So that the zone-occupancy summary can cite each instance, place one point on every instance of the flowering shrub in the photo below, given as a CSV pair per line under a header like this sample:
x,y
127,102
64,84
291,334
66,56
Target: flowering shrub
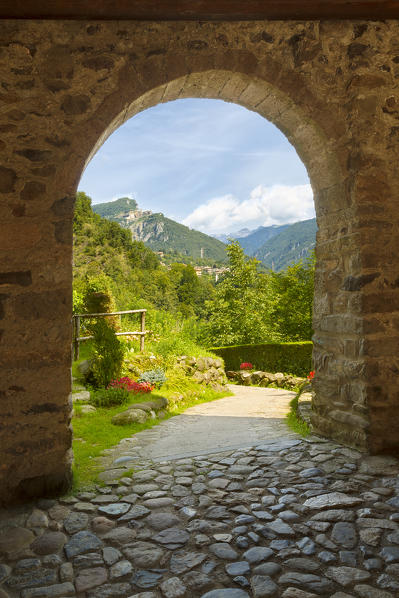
x,y
311,375
156,377
130,385
246,365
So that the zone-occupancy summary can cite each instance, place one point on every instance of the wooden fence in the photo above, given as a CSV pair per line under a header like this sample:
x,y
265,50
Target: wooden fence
x,y
76,328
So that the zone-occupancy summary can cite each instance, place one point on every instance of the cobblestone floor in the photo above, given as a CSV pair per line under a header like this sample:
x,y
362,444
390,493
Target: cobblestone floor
x,y
291,518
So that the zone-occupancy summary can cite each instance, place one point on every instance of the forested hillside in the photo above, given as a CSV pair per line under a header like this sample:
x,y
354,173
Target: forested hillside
x,y
294,243
113,210
106,255
161,233
257,238
246,305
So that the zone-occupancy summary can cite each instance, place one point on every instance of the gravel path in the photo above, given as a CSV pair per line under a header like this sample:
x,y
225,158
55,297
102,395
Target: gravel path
x,y
253,415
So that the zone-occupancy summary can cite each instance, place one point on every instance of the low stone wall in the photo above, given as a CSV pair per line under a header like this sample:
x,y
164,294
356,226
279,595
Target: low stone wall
x,y
304,409
264,378
204,370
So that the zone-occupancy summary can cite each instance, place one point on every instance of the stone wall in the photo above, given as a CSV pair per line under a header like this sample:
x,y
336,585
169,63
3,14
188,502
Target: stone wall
x,y
331,87
204,370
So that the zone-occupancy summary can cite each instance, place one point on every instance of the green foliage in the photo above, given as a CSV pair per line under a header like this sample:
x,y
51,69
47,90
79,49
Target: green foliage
x,y
108,354
78,302
97,295
292,358
109,397
293,421
292,244
240,310
292,308
155,377
105,253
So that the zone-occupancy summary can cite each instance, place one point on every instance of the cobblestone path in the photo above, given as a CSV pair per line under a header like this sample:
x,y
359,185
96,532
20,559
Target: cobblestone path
x,y
288,517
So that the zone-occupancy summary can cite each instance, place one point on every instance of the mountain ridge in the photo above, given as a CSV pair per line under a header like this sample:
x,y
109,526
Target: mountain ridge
x,y
294,243
160,233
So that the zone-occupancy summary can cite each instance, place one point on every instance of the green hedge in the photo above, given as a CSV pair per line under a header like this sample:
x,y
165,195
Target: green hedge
x,y
290,358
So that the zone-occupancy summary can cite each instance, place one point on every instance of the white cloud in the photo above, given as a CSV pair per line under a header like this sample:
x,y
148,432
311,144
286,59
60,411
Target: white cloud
x,y
279,204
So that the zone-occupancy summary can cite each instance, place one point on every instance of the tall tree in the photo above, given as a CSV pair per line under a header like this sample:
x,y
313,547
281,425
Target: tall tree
x,y
293,290
240,310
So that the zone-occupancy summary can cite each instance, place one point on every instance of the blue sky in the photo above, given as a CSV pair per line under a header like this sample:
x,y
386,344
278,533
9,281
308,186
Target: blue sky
x,y
212,165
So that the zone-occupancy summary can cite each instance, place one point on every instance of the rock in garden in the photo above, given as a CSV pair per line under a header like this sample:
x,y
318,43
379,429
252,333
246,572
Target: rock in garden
x,y
82,396
131,416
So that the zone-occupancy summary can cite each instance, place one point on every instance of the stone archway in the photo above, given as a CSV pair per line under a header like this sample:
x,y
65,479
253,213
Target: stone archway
x,y
330,87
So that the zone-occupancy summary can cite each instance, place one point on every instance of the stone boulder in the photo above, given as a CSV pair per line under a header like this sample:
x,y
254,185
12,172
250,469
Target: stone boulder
x,y
131,416
81,397
88,409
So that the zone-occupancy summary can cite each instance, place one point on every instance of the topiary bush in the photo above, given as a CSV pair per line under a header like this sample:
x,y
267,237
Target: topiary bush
x,y
107,361
293,358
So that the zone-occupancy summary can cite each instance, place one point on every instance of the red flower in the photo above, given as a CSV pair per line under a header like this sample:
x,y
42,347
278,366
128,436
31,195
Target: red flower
x,y
246,365
130,385
311,375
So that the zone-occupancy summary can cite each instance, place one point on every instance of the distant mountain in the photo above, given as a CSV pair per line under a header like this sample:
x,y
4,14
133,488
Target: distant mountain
x,y
251,240
257,238
293,243
240,233
161,233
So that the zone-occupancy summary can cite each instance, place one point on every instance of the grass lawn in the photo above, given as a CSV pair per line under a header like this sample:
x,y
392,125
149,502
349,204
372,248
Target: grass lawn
x,y
94,432
297,425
